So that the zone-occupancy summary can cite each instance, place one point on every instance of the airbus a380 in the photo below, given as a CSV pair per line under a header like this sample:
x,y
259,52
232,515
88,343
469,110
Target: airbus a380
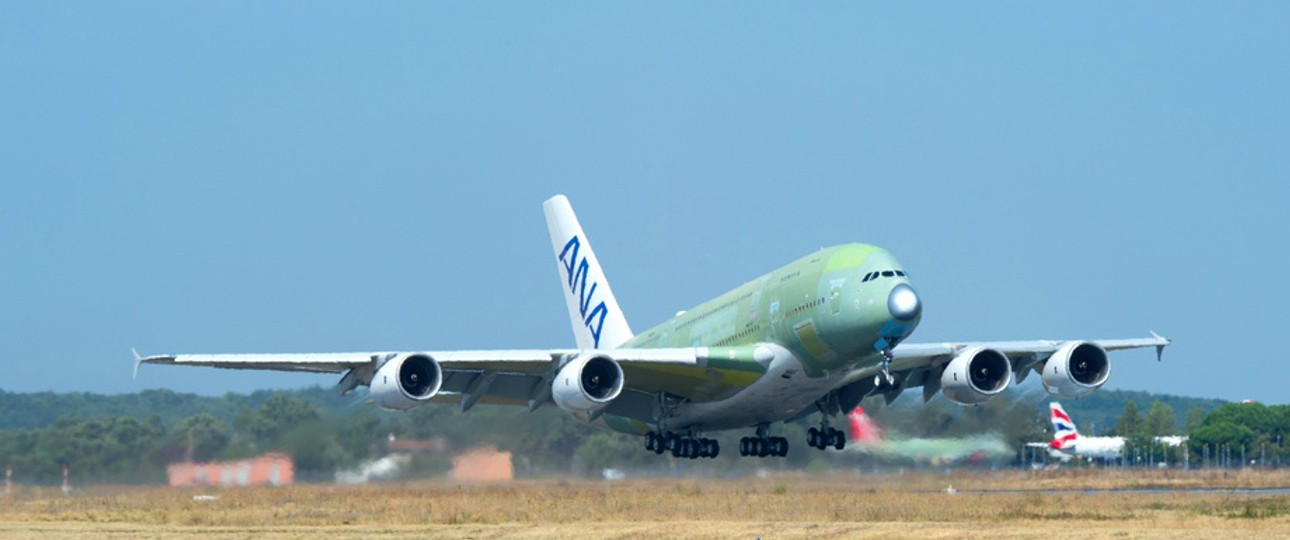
x,y
817,335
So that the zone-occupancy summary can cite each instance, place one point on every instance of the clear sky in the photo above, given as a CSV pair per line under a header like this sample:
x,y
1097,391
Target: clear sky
x,y
309,176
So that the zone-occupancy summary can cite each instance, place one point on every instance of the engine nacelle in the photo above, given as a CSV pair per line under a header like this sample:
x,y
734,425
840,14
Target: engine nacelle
x,y
1077,368
406,381
587,384
976,375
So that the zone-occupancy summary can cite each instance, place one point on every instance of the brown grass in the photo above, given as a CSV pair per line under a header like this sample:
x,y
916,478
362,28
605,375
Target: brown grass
x,y
793,506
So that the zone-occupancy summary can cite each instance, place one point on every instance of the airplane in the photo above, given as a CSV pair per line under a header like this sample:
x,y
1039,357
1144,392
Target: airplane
x,y
1068,442
868,438
817,335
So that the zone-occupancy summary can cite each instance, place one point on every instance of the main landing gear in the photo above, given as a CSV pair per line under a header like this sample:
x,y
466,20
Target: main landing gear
x,y
763,445
682,446
824,437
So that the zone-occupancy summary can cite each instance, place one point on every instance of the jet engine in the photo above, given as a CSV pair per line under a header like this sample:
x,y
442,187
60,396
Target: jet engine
x,y
976,375
587,383
406,381
1077,368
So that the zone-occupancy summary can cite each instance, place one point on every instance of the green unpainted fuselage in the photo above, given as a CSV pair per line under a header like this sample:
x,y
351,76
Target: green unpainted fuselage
x,y
820,308
817,306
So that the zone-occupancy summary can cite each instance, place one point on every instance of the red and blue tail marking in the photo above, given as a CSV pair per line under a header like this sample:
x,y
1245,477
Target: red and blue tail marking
x,y
1064,432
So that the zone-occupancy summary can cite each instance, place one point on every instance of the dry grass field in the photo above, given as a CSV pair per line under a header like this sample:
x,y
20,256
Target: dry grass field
x,y
987,505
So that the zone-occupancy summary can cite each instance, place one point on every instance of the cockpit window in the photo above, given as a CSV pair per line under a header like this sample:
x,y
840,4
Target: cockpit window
x,y
883,273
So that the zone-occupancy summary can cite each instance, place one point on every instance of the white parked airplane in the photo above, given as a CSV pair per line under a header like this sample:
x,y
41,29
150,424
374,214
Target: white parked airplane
x,y
819,334
1068,442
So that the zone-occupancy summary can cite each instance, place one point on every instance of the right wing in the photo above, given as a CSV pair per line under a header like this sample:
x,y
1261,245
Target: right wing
x,y
920,364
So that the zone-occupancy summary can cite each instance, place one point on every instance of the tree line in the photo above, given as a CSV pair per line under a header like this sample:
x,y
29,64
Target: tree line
x,y
132,437
1232,435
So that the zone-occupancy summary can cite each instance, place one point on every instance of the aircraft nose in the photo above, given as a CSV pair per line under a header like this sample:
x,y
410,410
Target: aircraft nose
x,y
903,303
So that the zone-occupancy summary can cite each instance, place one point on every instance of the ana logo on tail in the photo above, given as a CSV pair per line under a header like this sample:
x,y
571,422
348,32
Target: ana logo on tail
x,y
597,320
577,271
1064,432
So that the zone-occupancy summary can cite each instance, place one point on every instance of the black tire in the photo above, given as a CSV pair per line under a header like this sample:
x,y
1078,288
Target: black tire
x,y
714,448
839,440
813,438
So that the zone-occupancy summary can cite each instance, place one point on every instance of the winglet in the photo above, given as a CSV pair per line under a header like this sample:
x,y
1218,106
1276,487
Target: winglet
x,y
138,361
1160,349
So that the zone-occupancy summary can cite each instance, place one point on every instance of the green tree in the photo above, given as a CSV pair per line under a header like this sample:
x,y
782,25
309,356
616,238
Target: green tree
x,y
1219,434
1160,420
204,435
1195,417
1130,422
107,449
266,425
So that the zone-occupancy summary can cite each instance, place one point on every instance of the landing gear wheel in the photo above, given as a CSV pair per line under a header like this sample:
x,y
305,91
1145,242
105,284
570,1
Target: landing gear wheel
x,y
839,440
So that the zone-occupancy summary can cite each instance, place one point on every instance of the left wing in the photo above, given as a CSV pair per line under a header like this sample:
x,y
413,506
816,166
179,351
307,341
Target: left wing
x,y
921,364
518,377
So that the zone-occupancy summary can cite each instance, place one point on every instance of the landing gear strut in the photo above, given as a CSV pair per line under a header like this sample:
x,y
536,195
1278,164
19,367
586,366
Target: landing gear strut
x,y
887,357
763,445
825,436
682,446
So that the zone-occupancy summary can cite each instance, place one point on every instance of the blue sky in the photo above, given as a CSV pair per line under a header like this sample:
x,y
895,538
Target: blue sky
x,y
309,176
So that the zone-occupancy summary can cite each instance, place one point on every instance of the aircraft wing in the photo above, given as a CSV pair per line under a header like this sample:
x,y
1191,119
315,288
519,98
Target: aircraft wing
x,y
920,364
518,377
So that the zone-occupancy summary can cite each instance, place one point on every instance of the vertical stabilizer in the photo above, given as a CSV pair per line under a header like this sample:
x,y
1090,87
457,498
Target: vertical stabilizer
x,y
1064,432
598,322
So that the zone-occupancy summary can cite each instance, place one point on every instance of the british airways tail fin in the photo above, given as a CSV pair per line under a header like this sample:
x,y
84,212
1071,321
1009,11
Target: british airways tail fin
x,y
598,322
1064,432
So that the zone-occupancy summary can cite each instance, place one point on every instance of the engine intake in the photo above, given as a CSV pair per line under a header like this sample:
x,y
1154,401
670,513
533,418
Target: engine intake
x,y
406,381
976,375
1077,368
587,384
